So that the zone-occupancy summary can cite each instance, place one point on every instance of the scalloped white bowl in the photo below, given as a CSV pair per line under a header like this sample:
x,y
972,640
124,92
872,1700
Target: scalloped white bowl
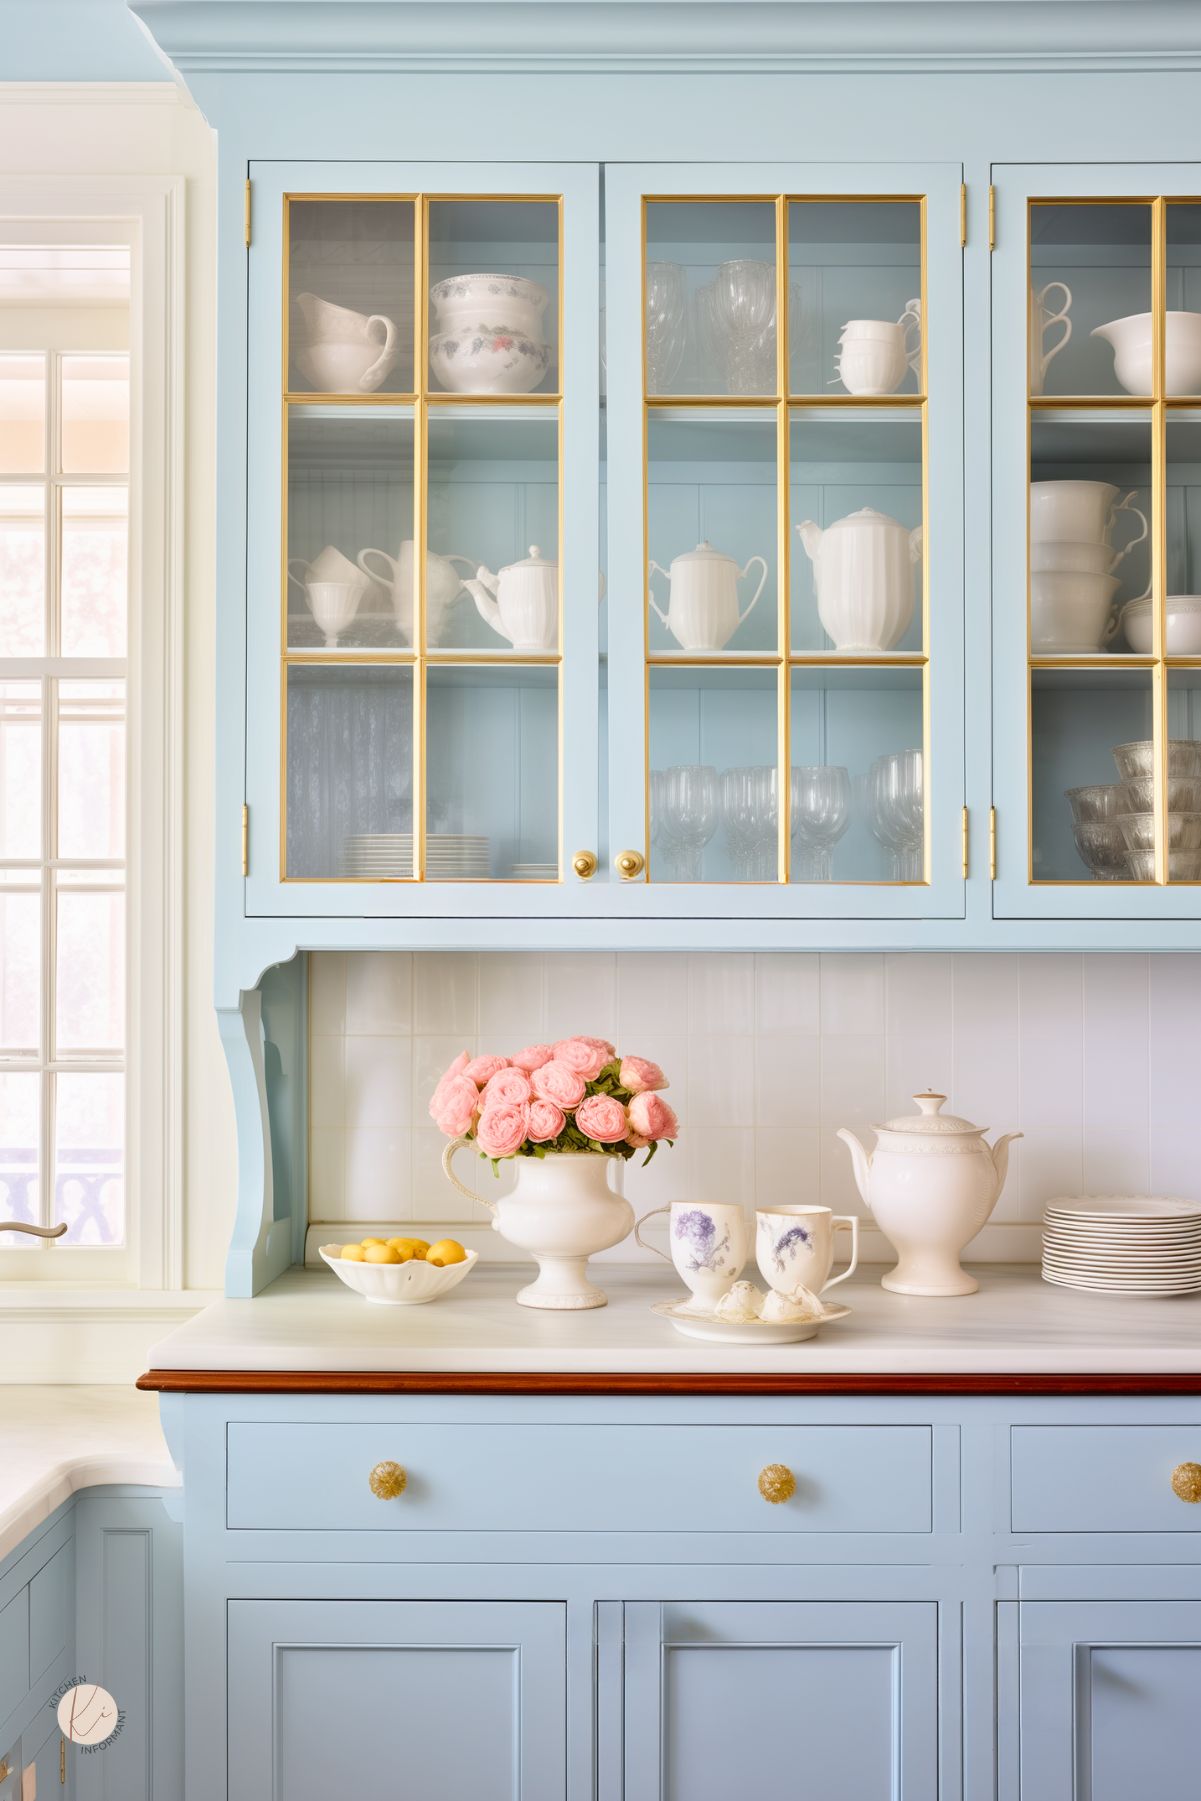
x,y
398,1284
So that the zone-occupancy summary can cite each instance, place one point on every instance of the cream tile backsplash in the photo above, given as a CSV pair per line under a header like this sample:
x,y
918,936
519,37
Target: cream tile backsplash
x,y
1094,1058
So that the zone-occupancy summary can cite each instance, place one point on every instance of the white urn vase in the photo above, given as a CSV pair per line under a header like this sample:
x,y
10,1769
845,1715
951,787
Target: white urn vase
x,y
561,1211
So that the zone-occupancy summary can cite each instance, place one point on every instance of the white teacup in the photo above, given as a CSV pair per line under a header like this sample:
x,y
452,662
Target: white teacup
x,y
796,1244
333,606
709,1244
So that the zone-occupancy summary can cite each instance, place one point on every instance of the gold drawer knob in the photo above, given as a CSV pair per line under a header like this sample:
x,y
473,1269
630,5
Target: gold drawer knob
x,y
1186,1481
629,864
776,1483
387,1480
4,1769
584,864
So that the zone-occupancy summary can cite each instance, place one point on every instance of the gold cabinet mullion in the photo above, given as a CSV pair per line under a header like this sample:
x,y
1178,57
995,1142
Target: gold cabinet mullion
x,y
1159,533
420,527
783,551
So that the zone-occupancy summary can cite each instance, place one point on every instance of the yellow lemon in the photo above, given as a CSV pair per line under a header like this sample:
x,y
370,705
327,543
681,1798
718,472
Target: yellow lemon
x,y
366,1241
447,1250
351,1253
409,1247
380,1253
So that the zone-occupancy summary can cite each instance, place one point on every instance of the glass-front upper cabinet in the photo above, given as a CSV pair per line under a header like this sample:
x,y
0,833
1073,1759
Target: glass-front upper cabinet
x,y
784,357
422,597
1097,542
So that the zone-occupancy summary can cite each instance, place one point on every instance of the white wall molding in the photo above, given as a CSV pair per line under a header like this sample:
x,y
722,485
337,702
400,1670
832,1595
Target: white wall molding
x,y
93,93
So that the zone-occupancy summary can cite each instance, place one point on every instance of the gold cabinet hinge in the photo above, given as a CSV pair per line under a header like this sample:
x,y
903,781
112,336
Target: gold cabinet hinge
x,y
62,1762
966,840
992,217
245,840
992,844
246,214
962,214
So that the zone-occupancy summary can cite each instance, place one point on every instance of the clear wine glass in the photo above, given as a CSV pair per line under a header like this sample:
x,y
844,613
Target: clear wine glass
x,y
690,806
821,813
896,811
744,310
666,312
766,815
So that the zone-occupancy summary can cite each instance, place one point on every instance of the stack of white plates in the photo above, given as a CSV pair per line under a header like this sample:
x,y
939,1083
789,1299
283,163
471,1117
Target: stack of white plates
x,y
535,872
1123,1244
381,856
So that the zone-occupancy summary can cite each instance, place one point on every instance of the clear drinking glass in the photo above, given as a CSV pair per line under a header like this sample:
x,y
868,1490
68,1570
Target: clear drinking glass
x,y
749,814
690,811
821,813
743,308
666,314
896,811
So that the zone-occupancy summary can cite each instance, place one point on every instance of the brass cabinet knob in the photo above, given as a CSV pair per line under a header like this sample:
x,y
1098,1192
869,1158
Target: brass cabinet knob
x,y
776,1483
1186,1481
4,1769
629,864
584,864
387,1480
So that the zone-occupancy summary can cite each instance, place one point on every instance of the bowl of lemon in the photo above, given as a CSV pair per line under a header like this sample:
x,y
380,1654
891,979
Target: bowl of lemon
x,y
400,1272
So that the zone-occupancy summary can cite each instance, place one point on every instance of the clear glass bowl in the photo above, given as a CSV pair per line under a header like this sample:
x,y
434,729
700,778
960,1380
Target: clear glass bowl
x,y
1137,759
1099,802
1184,831
1183,865
1103,849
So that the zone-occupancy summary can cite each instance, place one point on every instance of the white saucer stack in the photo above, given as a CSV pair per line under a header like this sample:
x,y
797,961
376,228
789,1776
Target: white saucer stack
x,y
1123,1244
384,856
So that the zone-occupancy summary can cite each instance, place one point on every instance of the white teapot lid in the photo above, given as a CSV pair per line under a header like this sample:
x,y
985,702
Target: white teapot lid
x,y
930,1121
865,516
704,553
535,560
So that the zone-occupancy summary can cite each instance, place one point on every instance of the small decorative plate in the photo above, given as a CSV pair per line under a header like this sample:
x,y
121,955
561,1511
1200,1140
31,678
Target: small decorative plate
x,y
693,1324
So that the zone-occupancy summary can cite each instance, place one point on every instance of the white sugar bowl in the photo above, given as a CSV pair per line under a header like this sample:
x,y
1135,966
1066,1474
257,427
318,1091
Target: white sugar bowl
x,y
931,1183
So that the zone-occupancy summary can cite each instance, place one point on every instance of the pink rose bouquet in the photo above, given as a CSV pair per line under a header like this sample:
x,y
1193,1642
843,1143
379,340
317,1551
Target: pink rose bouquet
x,y
575,1095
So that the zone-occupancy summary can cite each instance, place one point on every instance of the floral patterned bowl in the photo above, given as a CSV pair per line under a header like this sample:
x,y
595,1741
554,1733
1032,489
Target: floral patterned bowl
x,y
463,300
488,359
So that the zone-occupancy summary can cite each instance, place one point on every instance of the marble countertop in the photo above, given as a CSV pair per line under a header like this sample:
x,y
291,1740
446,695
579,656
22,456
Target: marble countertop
x,y
55,1441
1017,1324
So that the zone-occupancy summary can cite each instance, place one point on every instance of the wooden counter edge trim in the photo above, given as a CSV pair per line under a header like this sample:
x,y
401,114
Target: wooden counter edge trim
x,y
564,1382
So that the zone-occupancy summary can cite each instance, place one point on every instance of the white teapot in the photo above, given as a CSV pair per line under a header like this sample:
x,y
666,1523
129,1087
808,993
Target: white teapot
x,y
932,1183
863,570
522,602
702,607
443,585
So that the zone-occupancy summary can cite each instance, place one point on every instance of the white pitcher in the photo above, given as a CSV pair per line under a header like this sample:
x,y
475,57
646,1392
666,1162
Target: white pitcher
x,y
1042,318
702,607
863,570
397,577
522,602
339,351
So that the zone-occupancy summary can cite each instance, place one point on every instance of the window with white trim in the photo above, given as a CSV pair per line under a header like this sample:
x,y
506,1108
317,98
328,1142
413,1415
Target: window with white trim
x,y
64,628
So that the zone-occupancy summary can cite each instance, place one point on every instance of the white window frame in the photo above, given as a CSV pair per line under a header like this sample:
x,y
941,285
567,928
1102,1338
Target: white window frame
x,y
147,213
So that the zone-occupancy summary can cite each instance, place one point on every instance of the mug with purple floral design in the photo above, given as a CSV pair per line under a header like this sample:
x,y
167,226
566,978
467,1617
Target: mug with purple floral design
x,y
709,1242
796,1244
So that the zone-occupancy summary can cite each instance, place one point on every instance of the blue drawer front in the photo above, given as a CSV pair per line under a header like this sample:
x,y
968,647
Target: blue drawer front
x,y
579,1478
1102,1478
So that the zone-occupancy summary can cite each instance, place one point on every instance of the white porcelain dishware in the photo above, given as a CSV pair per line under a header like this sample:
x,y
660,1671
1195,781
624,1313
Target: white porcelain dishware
x,y
395,574
875,355
1123,1244
1058,556
795,1244
339,351
932,1183
1132,341
1080,512
1044,314
708,1242
522,602
1182,626
333,606
703,611
488,361
863,570
398,1284
511,301
711,1329
1071,612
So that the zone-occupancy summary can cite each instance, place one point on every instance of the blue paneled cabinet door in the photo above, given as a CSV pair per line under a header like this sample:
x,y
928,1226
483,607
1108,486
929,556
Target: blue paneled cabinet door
x,y
833,1698
446,1701
1109,1693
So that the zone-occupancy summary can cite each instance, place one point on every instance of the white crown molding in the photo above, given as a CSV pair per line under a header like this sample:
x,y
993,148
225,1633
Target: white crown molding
x,y
93,93
897,36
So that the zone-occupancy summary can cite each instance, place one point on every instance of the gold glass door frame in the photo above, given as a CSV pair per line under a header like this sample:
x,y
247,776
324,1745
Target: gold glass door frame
x,y
417,405
1158,408
785,404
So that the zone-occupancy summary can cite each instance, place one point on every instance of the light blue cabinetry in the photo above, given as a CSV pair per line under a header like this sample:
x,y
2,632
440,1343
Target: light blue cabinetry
x,y
96,1593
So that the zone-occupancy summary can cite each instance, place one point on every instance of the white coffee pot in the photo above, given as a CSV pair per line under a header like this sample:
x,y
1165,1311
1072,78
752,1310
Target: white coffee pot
x,y
863,569
702,606
522,602
443,584
931,1183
